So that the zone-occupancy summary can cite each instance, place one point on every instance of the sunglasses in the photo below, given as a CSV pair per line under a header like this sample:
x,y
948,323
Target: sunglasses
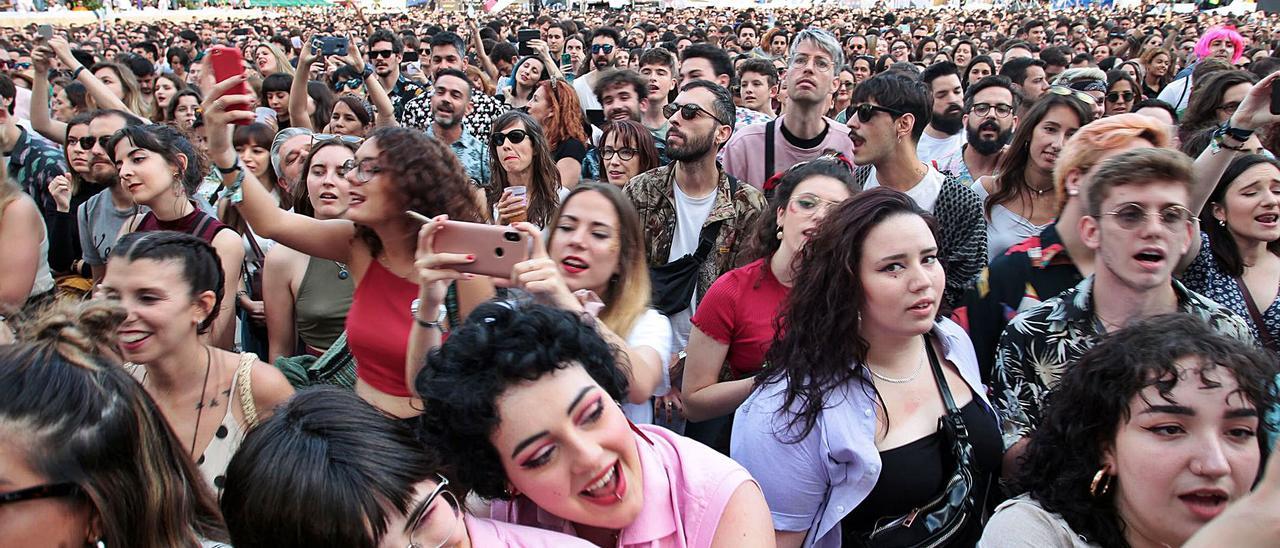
x,y
866,111
40,492
516,136
351,83
1131,216
86,143
1120,97
326,137
1068,92
689,111
382,53
602,48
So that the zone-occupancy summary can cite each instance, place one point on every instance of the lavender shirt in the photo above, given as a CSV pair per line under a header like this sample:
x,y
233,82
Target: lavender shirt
x,y
812,484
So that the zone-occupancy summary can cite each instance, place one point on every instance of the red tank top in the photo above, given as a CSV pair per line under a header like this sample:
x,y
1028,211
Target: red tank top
x,y
378,328
197,223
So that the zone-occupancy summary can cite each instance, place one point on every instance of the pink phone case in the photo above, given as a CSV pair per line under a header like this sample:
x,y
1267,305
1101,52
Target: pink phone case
x,y
497,248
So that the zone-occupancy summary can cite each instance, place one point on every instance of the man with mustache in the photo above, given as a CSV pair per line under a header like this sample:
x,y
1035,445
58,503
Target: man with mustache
x,y
759,151
604,49
99,219
450,103
943,136
990,107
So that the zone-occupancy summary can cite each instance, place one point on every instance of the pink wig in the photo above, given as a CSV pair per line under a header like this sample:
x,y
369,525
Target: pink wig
x,y
1220,33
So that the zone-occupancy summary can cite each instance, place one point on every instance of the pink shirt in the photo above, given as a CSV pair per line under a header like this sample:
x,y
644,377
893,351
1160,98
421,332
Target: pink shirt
x,y
487,532
687,486
743,155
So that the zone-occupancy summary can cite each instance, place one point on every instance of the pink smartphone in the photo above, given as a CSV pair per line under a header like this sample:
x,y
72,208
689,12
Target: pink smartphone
x,y
226,63
497,248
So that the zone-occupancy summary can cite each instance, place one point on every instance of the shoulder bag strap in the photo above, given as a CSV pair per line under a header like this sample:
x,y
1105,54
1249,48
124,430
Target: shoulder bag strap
x,y
1264,335
953,413
768,150
244,388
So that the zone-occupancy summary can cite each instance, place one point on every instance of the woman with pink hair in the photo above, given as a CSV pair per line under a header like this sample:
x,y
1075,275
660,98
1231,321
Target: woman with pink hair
x,y
1223,43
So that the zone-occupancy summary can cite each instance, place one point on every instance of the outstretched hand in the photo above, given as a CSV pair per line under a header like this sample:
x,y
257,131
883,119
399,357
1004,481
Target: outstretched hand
x,y
1254,111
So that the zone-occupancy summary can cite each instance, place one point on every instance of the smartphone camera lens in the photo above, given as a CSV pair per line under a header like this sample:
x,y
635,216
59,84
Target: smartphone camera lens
x,y
512,236
498,251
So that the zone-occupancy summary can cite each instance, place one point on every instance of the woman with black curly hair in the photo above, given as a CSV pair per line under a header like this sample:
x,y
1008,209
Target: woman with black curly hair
x,y
522,402
1146,438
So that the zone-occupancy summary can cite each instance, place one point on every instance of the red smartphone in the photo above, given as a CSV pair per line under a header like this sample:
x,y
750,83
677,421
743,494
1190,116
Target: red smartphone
x,y
227,63
497,248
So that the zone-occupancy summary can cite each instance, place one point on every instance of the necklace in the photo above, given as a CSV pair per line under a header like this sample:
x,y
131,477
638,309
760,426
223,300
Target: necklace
x,y
208,363
904,380
1039,192
342,271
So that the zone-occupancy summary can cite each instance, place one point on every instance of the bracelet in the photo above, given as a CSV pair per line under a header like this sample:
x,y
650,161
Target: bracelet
x,y
75,75
235,165
426,324
1236,133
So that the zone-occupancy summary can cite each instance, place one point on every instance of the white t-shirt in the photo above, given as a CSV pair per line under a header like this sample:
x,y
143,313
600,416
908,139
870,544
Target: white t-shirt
x,y
654,331
932,148
925,193
586,95
691,214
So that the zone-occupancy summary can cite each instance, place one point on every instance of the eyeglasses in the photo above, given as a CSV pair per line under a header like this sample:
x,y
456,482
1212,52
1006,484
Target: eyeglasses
x,y
602,48
437,532
867,111
624,154
86,143
689,111
365,169
1120,97
53,490
820,64
1229,108
326,137
982,110
848,86
383,53
1131,216
807,205
1068,92
516,136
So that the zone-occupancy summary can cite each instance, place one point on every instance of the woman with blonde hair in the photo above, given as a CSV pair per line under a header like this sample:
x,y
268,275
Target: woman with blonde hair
x,y
24,244
268,60
556,108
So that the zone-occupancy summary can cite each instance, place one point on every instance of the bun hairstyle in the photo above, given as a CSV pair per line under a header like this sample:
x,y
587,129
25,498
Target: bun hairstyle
x,y
77,417
199,260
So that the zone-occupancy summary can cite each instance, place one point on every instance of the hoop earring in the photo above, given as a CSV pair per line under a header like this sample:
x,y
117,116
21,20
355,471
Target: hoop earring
x,y
1100,478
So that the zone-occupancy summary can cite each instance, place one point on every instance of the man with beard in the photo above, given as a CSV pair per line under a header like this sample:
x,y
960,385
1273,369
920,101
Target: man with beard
x,y
450,103
447,52
759,151
99,219
888,114
289,152
943,136
691,200
604,48
990,107
407,97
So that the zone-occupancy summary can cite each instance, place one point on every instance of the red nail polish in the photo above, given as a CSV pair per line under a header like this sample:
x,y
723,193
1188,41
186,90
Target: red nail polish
x,y
471,257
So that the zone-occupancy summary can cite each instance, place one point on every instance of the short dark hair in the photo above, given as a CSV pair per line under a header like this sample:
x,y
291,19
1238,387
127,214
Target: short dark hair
x,y
719,59
201,268
621,77
725,109
504,51
608,32
184,58
149,47
899,92
1054,56
658,56
384,35
500,346
938,70
1016,69
137,64
993,81
456,74
447,38
1156,103
761,67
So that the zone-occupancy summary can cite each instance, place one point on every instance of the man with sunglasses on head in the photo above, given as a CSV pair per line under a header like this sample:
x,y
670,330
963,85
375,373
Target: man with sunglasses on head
x,y
692,207
888,114
1138,223
603,50
759,151
990,107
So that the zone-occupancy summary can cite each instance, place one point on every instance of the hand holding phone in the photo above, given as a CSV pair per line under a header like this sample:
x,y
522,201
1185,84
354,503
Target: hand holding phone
x,y
476,248
44,32
228,63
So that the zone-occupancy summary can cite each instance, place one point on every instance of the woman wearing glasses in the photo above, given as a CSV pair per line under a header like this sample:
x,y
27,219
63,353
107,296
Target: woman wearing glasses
x,y
86,459
734,324
626,149
1019,200
1214,101
375,238
366,479
535,427
526,185
900,50
555,107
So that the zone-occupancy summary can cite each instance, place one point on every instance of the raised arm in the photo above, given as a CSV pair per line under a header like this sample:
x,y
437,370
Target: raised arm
x,y
102,95
330,239
486,64
434,276
41,120
298,89
386,116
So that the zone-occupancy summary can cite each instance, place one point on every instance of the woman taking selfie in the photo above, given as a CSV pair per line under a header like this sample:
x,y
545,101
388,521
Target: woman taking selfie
x,y
159,168
842,452
1162,419
86,459
171,284
526,183
521,401
1019,200
734,324
375,238
626,150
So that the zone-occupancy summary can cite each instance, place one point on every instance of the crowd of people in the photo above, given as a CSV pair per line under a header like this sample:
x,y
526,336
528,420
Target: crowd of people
x,y
733,278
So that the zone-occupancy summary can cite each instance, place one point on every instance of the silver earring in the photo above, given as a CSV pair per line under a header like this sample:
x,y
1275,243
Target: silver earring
x,y
779,233
1222,222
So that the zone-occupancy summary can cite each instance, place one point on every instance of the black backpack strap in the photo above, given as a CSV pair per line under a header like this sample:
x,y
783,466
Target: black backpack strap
x,y
768,151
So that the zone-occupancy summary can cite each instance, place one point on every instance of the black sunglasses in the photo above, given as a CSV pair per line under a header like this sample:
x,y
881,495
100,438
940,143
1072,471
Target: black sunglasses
x,y
866,111
516,136
383,53
86,143
689,111
1119,96
40,492
602,48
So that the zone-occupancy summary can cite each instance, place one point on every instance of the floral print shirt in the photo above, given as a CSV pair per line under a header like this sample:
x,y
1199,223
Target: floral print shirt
x,y
1040,343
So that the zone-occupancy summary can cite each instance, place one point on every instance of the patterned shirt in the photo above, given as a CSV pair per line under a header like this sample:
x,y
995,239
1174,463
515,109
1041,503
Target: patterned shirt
x,y
744,116
473,154
1205,276
33,163
410,100
1040,343
653,194
484,110
953,165
1028,273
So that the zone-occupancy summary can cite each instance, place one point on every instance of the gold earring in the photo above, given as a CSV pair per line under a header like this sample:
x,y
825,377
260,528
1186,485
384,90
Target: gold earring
x,y
1100,478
